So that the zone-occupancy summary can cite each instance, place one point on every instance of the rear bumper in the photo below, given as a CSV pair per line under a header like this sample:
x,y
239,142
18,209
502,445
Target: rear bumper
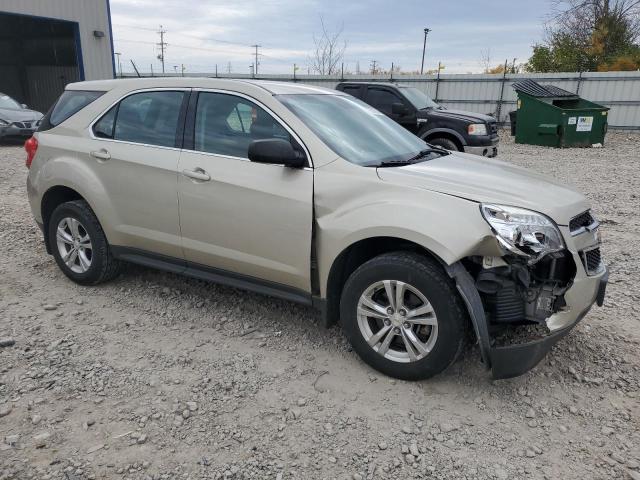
x,y
513,360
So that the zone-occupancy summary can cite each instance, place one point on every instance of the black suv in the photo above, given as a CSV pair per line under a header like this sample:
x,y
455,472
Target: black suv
x,y
452,129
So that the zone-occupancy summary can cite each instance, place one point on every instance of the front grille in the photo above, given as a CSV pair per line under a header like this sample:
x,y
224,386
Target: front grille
x,y
493,127
581,221
23,124
592,261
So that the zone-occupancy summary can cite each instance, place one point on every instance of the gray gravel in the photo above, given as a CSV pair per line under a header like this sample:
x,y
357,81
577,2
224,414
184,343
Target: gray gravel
x,y
155,376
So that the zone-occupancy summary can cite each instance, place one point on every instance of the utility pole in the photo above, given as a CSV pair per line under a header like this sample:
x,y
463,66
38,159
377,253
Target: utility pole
x,y
256,63
374,67
424,49
162,46
183,69
229,67
117,54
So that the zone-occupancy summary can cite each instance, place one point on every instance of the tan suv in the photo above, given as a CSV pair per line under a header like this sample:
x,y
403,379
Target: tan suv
x,y
311,195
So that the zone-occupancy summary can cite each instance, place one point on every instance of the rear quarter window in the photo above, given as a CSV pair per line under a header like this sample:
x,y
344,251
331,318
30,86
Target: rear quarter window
x,y
69,103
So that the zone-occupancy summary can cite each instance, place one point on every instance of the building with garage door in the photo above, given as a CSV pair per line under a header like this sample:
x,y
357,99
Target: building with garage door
x,y
46,44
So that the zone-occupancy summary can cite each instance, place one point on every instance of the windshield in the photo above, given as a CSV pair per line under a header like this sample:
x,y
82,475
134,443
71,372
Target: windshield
x,y
357,132
418,98
7,102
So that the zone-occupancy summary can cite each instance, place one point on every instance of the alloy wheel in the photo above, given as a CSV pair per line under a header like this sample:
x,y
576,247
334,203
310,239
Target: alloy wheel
x,y
397,321
74,245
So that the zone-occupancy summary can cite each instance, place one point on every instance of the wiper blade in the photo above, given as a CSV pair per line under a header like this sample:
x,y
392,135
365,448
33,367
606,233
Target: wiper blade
x,y
394,163
427,151
415,159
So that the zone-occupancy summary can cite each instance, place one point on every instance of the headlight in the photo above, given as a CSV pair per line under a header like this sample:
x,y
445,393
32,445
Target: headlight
x,y
3,122
477,129
523,232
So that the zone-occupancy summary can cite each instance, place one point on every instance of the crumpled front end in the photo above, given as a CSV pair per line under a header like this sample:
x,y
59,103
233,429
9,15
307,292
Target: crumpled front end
x,y
529,305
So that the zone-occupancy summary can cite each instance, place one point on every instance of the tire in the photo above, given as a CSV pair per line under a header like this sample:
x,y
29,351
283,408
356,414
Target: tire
x,y
101,266
444,143
420,275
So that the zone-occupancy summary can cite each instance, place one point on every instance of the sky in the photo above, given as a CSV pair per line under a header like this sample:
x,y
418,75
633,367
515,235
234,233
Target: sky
x,y
204,33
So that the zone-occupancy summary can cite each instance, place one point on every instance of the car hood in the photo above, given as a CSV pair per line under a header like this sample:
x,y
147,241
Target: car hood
x,y
462,115
25,114
481,179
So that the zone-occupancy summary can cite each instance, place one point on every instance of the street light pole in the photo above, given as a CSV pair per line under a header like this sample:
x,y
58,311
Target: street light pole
x,y
424,48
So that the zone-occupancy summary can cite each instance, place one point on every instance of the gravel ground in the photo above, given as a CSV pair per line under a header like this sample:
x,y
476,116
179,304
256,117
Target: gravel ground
x,y
155,376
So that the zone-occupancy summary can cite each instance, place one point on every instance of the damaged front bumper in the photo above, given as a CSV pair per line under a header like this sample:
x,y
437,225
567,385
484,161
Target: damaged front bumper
x,y
513,360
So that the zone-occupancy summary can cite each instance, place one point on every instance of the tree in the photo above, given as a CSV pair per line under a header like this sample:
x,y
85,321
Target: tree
x,y
329,51
485,60
588,35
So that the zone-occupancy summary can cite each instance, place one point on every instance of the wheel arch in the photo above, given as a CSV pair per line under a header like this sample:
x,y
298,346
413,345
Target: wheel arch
x,y
53,197
354,255
448,133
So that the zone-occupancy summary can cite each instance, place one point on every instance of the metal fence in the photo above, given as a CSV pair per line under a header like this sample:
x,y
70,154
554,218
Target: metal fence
x,y
493,94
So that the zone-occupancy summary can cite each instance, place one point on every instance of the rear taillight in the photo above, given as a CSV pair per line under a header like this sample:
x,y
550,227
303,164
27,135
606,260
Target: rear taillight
x,y
31,147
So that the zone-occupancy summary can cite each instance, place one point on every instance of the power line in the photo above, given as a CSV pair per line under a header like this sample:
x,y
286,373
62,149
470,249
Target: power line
x,y
206,39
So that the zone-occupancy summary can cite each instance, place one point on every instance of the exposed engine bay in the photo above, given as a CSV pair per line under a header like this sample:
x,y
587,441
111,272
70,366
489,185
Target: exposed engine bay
x,y
514,291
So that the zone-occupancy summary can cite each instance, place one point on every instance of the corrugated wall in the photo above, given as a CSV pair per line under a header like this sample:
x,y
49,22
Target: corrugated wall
x,y
482,93
90,15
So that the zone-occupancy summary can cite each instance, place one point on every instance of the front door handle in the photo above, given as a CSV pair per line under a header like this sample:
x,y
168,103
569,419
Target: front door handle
x,y
197,174
101,154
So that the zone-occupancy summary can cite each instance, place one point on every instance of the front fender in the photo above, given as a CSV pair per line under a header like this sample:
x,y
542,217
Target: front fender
x,y
354,205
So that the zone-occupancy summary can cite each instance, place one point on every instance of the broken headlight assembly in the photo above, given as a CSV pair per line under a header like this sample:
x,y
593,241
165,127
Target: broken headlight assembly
x,y
523,232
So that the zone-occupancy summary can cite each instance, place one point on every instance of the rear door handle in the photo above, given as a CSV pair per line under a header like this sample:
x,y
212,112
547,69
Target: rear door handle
x,y
101,154
197,174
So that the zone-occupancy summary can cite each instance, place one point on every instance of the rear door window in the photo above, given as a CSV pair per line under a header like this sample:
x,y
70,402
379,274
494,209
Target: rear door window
x,y
382,99
354,90
69,103
148,117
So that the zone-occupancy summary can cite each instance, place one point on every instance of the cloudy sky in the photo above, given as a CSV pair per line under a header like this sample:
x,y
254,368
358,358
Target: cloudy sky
x,y
204,33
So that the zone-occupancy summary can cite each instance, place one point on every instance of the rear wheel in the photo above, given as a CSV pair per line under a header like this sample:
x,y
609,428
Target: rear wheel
x,y
444,143
79,245
403,315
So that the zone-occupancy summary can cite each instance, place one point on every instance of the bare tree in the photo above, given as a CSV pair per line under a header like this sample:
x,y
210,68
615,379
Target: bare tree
x,y
485,60
329,51
610,23
579,18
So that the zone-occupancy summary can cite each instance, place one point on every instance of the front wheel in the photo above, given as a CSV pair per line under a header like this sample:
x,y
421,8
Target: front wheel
x,y
444,143
403,315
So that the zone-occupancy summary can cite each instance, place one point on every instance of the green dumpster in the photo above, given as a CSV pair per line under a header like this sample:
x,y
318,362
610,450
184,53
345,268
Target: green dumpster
x,y
554,117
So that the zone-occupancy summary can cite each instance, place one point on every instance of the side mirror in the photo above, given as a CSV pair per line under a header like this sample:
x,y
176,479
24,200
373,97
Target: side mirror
x,y
24,105
399,108
276,151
